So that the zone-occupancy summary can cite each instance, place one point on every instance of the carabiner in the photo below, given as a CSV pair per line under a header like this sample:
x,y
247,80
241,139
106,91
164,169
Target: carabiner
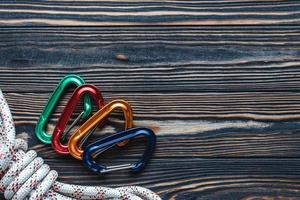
x,y
52,102
98,117
59,132
108,142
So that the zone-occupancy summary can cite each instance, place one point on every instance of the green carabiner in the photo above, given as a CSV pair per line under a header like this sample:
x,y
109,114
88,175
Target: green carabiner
x,y
52,102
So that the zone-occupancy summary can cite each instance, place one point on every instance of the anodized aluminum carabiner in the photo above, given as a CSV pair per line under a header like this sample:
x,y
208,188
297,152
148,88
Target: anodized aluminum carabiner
x,y
58,133
108,142
98,117
40,132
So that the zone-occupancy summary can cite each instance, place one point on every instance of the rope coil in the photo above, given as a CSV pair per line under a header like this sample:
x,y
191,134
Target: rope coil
x,y
23,175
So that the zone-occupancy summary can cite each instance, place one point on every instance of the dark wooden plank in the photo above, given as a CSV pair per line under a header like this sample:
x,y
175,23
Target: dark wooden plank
x,y
176,173
197,178
261,106
159,59
130,12
197,124
221,139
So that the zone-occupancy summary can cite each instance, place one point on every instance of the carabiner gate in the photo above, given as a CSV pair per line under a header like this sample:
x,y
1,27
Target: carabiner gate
x,y
59,132
40,132
98,117
106,143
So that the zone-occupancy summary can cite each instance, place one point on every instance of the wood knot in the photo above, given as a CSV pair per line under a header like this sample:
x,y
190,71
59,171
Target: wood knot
x,y
121,57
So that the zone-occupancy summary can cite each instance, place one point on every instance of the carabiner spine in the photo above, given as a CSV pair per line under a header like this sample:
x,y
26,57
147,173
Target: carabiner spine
x,y
40,132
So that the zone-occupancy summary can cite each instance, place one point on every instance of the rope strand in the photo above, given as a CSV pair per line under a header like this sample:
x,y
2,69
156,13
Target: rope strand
x,y
23,175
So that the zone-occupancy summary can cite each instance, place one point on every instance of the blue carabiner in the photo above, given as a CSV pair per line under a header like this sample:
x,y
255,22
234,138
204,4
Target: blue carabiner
x,y
102,145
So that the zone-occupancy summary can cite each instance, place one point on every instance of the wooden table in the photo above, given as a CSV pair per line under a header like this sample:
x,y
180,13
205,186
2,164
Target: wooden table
x,y
216,80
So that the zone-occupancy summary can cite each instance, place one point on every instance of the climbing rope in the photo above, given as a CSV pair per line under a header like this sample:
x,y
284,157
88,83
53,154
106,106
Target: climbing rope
x,y
24,175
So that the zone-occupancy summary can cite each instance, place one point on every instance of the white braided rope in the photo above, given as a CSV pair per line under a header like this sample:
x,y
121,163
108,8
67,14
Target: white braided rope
x,y
23,175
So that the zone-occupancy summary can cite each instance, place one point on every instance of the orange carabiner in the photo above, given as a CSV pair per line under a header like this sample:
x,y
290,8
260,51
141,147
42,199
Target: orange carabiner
x,y
99,116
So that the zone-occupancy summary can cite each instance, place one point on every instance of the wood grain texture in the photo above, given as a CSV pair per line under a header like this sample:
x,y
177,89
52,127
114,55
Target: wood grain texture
x,y
141,13
262,106
215,124
194,178
188,59
216,80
